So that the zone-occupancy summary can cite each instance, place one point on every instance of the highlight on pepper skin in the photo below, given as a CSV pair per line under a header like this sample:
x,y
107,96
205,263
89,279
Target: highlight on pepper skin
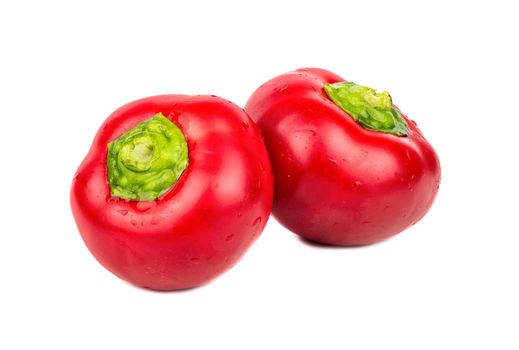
x,y
350,168
173,191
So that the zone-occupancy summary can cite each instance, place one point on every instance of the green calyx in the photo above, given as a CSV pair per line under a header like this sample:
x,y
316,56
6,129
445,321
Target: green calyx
x,y
146,161
371,109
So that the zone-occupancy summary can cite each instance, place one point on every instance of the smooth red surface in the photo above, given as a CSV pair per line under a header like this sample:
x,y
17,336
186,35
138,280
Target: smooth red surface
x,y
335,181
205,223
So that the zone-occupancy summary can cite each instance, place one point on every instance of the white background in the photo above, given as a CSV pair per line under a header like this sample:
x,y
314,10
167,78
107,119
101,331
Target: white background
x,y
449,282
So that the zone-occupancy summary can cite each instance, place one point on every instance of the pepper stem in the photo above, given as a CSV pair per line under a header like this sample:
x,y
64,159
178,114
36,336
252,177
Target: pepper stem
x,y
146,161
138,155
371,109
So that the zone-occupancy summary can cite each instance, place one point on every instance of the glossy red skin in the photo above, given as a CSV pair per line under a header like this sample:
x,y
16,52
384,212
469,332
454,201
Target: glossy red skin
x,y
205,223
336,182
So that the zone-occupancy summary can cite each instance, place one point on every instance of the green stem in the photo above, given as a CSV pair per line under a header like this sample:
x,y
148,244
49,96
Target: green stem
x,y
146,161
371,109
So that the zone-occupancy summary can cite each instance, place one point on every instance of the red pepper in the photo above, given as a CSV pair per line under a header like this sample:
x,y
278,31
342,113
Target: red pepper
x,y
349,167
173,191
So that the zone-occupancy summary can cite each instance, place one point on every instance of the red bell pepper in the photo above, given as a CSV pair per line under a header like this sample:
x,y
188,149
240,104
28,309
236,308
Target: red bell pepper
x,y
173,191
349,167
